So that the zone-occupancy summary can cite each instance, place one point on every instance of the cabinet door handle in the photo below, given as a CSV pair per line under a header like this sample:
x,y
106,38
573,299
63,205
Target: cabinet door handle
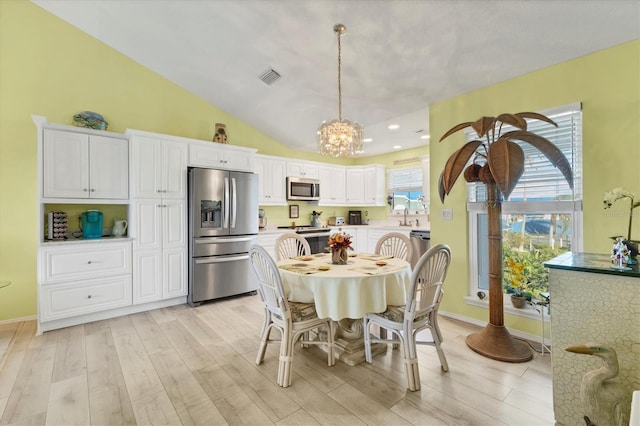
x,y
89,297
85,190
93,190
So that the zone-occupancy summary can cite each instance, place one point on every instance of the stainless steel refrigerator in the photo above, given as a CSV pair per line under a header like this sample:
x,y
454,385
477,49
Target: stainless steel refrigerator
x,y
223,224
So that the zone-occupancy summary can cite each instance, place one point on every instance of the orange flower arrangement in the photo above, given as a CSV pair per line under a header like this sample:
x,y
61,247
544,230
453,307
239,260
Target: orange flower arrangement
x,y
340,239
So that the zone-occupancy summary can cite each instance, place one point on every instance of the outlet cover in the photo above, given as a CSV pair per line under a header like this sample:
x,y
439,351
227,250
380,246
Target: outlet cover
x,y
447,214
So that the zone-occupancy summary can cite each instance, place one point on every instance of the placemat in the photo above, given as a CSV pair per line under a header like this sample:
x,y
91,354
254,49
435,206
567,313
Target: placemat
x,y
377,270
374,257
300,268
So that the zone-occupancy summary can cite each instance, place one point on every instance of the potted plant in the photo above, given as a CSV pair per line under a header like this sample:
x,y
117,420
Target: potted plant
x,y
498,162
516,283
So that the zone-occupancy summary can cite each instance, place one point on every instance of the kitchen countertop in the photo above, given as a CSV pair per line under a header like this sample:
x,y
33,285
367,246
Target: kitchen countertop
x,y
81,240
275,230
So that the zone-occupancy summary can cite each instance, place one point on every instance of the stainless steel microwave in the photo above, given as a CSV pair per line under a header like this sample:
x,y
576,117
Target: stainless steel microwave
x,y
303,189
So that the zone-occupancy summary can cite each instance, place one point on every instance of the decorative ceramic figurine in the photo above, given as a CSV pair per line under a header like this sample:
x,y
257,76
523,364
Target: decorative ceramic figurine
x,y
220,135
621,254
604,400
90,119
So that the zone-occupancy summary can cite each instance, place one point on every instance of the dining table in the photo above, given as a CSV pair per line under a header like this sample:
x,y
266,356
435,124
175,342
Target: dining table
x,y
345,293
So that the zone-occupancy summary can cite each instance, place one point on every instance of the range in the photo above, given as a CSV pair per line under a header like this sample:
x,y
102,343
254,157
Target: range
x,y
315,236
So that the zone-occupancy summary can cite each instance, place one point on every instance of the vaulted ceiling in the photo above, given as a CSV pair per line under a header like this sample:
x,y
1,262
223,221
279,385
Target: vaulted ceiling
x,y
398,56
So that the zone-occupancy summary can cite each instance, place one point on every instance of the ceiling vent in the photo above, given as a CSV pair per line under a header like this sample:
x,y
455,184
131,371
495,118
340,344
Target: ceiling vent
x,y
270,76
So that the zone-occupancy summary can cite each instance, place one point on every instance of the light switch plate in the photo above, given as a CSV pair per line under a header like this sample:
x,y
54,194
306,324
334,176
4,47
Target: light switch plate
x,y
447,214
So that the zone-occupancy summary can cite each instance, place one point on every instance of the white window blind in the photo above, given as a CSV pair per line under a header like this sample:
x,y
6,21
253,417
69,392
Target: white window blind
x,y
542,181
404,180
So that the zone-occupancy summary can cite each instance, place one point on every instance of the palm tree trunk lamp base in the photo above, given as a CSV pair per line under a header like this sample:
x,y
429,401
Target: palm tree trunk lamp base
x,y
495,341
503,166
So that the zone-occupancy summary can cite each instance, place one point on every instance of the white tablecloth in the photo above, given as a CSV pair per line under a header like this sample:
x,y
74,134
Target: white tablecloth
x,y
346,291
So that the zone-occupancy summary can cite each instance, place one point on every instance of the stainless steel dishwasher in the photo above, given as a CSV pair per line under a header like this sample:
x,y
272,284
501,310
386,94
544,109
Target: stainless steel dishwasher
x,y
420,243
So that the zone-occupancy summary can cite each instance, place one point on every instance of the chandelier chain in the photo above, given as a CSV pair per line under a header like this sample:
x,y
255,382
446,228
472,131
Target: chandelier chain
x,y
339,78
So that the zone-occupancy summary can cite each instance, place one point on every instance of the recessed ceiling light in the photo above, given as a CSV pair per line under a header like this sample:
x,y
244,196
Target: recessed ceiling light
x,y
394,126
367,140
397,146
425,137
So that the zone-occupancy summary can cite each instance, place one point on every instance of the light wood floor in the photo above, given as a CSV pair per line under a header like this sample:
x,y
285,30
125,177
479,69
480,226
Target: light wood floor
x,y
182,365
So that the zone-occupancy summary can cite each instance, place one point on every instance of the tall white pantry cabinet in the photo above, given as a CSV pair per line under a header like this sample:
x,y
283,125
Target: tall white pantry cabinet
x,y
158,212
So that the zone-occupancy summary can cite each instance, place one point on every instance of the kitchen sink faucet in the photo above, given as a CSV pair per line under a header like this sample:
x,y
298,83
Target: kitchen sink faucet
x,y
404,221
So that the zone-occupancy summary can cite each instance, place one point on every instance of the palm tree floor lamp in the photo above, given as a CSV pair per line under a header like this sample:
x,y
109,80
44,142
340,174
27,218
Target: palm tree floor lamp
x,y
498,162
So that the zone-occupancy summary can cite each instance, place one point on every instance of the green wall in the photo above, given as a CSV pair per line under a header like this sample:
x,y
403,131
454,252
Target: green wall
x,y
608,85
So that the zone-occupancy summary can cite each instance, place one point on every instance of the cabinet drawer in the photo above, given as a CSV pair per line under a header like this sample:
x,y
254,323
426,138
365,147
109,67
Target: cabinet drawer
x,y
84,297
84,261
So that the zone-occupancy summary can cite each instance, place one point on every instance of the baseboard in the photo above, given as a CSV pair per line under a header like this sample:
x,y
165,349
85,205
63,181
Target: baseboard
x,y
111,313
20,319
480,323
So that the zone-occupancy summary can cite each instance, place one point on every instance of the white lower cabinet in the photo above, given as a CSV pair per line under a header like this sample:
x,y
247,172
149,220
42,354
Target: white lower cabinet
x,y
84,297
362,240
83,278
268,242
376,234
160,250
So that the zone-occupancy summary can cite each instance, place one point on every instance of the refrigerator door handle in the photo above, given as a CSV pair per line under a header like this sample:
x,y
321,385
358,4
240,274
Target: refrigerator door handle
x,y
214,240
233,202
226,203
221,259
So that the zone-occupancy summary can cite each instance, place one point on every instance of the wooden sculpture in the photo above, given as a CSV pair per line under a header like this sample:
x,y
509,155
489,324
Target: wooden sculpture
x,y
499,163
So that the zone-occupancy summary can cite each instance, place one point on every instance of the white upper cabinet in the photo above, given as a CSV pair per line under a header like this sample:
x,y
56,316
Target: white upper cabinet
x,y
355,186
272,187
159,168
374,185
332,185
80,165
303,169
220,156
365,185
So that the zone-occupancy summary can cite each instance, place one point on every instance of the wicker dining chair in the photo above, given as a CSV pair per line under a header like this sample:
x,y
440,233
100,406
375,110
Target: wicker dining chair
x,y
293,320
290,245
395,244
420,312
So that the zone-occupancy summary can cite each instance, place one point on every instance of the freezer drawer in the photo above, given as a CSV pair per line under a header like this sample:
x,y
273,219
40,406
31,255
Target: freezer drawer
x,y
222,246
219,276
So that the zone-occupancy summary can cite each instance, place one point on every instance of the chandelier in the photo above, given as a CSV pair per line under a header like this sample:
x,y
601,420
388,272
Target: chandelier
x,y
340,138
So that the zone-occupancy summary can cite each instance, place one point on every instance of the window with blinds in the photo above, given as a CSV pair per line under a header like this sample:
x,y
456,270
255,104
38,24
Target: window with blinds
x,y
405,190
543,216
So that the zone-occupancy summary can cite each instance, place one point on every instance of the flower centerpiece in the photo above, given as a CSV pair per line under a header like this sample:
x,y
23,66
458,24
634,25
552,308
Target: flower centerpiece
x,y
339,243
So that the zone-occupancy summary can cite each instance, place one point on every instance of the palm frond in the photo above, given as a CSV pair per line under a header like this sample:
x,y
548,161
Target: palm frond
x,y
456,162
506,162
513,120
483,125
455,129
552,152
536,116
441,188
